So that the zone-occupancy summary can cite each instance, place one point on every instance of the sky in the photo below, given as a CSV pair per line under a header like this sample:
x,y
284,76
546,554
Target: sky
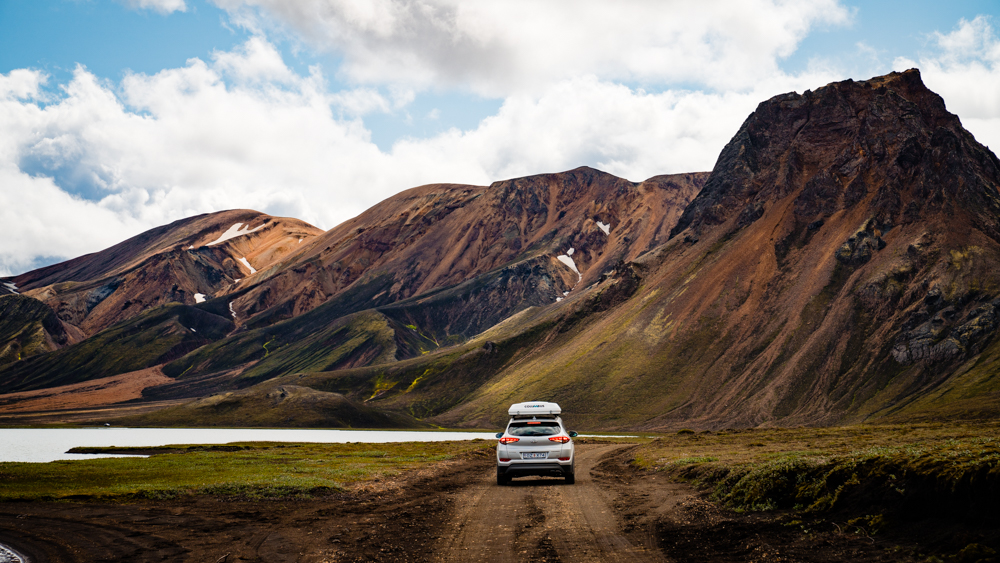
x,y
118,116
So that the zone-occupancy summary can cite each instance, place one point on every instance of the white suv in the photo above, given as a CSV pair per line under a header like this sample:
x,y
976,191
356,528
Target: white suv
x,y
535,443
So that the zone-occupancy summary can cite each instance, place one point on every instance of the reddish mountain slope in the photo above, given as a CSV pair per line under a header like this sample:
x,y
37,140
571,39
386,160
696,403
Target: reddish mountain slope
x,y
441,235
168,264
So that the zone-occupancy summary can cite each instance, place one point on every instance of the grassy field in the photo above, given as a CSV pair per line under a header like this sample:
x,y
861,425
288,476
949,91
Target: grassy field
x,y
252,470
877,475
880,471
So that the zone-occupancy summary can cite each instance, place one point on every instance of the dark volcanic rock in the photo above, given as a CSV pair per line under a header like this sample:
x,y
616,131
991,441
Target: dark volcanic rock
x,y
890,138
913,291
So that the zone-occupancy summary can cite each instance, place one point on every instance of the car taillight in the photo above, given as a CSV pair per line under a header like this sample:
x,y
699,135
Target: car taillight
x,y
505,459
509,440
560,439
564,459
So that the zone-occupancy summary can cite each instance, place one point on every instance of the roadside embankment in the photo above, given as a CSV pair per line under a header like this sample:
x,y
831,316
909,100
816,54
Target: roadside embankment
x,y
932,486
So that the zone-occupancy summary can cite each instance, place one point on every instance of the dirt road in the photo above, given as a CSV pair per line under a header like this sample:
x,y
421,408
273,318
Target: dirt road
x,y
540,519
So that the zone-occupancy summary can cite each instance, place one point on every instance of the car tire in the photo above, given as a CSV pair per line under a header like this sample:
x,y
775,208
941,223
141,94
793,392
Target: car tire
x,y
571,477
502,479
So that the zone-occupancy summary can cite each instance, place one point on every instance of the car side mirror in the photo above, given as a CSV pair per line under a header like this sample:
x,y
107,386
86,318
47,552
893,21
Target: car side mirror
x,y
499,434
573,434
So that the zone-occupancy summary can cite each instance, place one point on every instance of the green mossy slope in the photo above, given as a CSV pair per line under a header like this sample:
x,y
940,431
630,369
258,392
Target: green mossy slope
x,y
28,327
292,347
331,336
150,339
428,385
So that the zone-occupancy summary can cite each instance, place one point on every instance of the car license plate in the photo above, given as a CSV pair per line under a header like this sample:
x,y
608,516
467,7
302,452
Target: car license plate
x,y
534,455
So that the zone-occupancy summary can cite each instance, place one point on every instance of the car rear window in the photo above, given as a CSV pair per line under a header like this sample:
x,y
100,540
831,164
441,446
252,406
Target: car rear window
x,y
533,428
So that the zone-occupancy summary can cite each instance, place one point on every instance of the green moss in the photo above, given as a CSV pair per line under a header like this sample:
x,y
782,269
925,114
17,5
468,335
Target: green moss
x,y
381,386
313,341
26,325
266,352
431,384
257,470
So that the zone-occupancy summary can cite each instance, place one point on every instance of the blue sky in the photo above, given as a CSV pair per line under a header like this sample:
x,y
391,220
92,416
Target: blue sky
x,y
129,114
110,39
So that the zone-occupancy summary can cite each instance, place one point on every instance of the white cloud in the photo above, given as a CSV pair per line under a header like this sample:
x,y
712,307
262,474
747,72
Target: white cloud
x,y
965,71
256,61
245,131
42,220
612,127
21,84
501,48
161,6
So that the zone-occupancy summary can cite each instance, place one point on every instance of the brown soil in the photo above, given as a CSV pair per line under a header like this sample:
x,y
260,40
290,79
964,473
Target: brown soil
x,y
84,416
451,512
89,395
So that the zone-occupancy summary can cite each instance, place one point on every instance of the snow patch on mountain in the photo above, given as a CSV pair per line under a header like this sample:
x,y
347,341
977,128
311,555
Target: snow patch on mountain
x,y
565,259
247,264
199,297
12,287
233,232
604,227
231,310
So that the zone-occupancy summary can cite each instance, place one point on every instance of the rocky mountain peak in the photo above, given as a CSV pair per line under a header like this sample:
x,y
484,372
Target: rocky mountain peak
x,y
888,142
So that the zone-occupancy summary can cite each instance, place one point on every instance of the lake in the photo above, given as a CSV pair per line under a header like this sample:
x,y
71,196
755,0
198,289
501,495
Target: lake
x,y
41,445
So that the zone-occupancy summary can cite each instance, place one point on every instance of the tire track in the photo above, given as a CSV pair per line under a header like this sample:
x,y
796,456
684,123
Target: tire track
x,y
539,519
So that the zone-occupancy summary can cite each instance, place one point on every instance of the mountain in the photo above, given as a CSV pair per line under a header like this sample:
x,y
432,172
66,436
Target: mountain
x,y
183,262
428,268
439,264
838,265
440,235
115,303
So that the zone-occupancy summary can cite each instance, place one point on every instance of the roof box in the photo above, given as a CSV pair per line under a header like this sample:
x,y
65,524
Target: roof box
x,y
533,408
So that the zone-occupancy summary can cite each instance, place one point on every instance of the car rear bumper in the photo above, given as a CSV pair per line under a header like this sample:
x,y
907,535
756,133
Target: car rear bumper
x,y
539,469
